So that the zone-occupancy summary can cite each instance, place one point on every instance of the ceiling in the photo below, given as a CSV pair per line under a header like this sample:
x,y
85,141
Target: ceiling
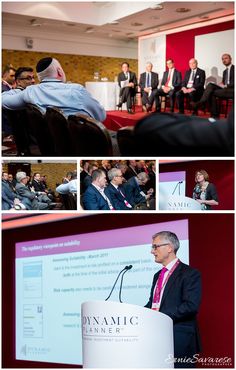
x,y
119,20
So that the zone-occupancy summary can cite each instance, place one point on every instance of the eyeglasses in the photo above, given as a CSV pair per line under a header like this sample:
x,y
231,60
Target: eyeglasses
x,y
156,246
119,175
29,78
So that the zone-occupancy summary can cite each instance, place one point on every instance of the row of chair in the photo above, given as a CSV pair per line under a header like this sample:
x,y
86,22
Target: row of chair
x,y
57,135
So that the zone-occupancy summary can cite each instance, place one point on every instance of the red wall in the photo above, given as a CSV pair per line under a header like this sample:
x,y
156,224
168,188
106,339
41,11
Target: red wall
x,y
180,46
211,251
221,174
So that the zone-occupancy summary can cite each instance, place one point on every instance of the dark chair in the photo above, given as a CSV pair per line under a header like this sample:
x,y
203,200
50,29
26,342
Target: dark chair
x,y
58,127
89,137
69,201
38,127
18,120
125,139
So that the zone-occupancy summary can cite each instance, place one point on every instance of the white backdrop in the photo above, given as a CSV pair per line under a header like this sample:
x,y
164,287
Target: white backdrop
x,y
209,49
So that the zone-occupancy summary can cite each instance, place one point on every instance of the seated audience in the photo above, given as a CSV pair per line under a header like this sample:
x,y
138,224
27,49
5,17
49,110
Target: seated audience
x,y
148,83
170,84
115,192
10,200
95,197
132,169
224,90
127,81
53,91
40,189
192,86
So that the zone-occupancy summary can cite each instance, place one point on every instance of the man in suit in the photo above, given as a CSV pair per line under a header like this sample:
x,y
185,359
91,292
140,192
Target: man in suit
x,y
127,81
192,86
149,83
133,191
24,192
132,169
170,84
94,197
224,90
176,292
8,78
115,192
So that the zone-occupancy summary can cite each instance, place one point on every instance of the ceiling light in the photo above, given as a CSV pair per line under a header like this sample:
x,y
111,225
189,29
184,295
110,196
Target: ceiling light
x,y
183,10
157,7
89,30
114,22
136,24
35,23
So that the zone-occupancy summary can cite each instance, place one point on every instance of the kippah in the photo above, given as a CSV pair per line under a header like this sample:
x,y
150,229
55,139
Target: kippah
x,y
43,64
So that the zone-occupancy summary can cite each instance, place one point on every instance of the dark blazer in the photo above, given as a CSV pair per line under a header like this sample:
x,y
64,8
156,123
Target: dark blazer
x,y
180,301
130,172
132,191
38,186
231,77
154,80
117,199
24,191
176,81
199,79
93,200
133,78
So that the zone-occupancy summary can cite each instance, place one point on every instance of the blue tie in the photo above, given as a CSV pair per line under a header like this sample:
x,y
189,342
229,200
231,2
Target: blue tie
x,y
148,80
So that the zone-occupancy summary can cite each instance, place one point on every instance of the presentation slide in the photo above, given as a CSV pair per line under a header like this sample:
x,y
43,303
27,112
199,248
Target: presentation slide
x,y
54,276
172,183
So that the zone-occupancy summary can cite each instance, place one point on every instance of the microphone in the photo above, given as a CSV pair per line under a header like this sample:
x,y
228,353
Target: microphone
x,y
177,185
126,268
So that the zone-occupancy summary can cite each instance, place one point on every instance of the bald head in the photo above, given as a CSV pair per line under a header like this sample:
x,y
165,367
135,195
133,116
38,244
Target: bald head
x,y
193,63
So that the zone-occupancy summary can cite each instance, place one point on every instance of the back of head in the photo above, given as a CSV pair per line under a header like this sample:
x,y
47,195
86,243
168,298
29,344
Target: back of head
x,y
49,68
20,176
142,176
97,174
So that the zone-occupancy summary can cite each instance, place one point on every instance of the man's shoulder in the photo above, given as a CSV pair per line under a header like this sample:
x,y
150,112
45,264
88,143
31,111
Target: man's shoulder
x,y
187,269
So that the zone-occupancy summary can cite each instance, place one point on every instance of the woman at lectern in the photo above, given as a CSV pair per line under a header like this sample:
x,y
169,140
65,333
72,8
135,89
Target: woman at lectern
x,y
204,191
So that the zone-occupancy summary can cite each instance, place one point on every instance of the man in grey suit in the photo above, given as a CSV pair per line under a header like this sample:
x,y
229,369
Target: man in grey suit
x,y
149,83
24,192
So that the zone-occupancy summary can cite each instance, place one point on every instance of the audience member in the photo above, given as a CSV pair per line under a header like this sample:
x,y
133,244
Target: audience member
x,y
10,200
67,178
127,81
24,192
224,90
88,179
8,78
84,170
53,91
132,169
192,85
24,77
170,84
133,191
69,187
94,197
115,192
149,83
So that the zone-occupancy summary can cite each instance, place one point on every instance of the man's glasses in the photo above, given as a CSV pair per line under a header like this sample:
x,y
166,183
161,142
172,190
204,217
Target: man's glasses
x,y
156,246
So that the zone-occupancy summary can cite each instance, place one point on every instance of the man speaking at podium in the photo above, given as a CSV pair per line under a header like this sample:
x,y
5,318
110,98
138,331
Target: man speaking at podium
x,y
176,292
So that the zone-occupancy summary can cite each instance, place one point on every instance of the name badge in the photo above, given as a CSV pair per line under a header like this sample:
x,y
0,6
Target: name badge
x,y
156,306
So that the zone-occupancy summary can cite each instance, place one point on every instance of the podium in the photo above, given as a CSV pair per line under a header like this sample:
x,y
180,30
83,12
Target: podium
x,y
120,335
179,203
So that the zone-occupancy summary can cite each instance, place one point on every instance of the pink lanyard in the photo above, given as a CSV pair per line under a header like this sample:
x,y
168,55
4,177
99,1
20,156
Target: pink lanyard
x,y
157,294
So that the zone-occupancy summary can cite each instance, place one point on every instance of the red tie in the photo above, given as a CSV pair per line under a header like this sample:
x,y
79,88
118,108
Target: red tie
x,y
157,294
168,79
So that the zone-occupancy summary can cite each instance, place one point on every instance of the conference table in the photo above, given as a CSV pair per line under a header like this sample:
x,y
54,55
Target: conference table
x,y
106,93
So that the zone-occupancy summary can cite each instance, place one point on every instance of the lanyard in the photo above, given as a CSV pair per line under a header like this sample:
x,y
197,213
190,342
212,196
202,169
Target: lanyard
x,y
157,294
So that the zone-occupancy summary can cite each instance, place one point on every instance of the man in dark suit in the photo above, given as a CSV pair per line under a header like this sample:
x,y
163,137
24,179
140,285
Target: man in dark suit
x,y
8,78
149,83
115,192
224,90
170,84
176,292
127,81
133,191
192,86
94,197
132,169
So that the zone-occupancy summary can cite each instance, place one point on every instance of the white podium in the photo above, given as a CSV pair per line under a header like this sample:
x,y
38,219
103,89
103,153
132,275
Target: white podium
x,y
120,335
106,93
178,203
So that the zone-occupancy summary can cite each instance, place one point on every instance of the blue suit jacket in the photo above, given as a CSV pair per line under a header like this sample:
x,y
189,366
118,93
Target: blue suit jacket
x,y
181,299
132,191
93,200
117,200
